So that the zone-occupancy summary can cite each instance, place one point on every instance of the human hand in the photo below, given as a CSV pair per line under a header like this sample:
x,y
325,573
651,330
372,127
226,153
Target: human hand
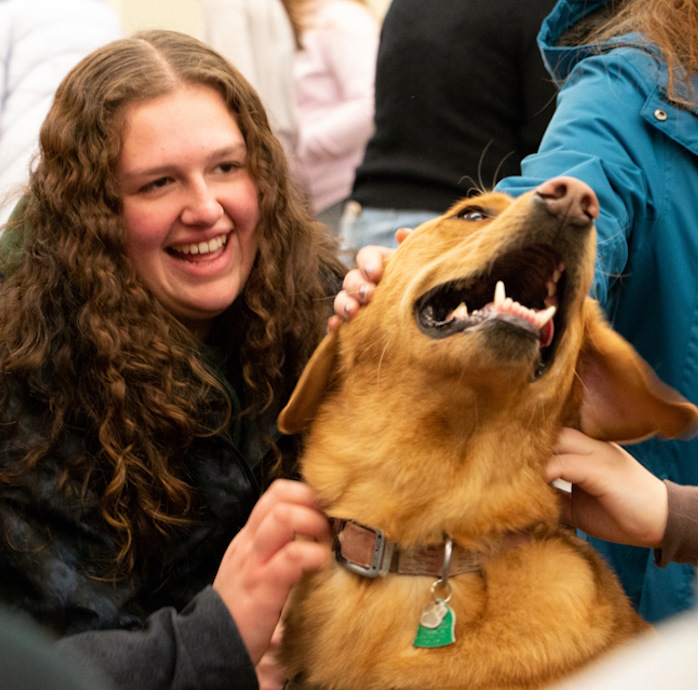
x,y
613,496
360,282
265,559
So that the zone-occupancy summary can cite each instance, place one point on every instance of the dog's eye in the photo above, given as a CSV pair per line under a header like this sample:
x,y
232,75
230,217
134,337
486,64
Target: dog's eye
x,y
473,214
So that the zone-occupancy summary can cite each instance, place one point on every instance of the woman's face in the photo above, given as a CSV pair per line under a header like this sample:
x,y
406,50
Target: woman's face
x,y
190,206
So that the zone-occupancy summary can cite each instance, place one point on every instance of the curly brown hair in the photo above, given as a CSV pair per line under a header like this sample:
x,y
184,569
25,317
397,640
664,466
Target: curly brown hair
x,y
81,334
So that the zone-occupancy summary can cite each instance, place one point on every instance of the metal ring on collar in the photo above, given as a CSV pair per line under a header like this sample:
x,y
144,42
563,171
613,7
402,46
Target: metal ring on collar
x,y
448,552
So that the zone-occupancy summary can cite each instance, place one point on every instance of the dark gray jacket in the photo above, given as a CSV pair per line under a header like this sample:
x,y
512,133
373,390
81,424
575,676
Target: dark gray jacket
x,y
168,630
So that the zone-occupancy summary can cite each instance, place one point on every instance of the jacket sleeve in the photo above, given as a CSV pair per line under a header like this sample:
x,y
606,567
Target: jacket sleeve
x,y
597,134
197,648
680,544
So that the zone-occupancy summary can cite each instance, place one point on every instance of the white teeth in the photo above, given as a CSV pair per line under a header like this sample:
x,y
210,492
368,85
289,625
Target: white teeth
x,y
507,305
538,318
551,285
544,316
202,247
461,311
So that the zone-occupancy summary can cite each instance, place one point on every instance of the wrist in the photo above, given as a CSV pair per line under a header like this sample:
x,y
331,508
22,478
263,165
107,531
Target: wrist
x,y
661,515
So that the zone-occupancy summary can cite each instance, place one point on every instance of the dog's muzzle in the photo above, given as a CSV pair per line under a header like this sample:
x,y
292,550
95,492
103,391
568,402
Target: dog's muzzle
x,y
524,288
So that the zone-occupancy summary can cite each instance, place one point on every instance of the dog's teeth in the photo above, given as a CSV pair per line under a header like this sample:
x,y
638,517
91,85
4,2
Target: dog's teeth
x,y
544,316
551,285
499,293
460,312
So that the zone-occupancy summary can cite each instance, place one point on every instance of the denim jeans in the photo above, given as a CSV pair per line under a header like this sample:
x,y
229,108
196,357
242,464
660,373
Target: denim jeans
x,y
361,226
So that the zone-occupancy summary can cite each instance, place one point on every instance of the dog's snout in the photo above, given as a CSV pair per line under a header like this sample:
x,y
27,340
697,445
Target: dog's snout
x,y
570,200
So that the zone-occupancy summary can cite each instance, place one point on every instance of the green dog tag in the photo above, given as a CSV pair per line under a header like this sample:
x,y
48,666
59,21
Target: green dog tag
x,y
437,626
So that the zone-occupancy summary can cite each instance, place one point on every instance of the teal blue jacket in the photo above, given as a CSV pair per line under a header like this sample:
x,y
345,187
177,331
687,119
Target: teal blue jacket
x,y
615,129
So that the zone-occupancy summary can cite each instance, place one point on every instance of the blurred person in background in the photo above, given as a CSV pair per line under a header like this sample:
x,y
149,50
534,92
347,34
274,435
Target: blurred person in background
x,y
313,64
257,37
40,40
626,123
334,71
461,96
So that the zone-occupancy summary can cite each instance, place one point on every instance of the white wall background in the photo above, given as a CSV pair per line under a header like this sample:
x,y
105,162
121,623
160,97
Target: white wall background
x,y
179,15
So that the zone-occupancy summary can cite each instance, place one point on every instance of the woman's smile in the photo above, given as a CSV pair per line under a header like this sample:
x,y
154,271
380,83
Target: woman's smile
x,y
200,250
190,206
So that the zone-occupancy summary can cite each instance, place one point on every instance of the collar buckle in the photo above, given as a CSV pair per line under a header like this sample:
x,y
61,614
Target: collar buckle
x,y
381,550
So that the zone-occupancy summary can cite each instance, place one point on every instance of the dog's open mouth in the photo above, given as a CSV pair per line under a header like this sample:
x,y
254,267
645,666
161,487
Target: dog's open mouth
x,y
523,289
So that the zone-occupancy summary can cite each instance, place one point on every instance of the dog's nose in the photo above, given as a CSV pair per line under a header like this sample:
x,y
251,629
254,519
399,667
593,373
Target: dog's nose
x,y
570,199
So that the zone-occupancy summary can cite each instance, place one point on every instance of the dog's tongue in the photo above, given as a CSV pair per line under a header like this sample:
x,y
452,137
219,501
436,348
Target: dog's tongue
x,y
547,333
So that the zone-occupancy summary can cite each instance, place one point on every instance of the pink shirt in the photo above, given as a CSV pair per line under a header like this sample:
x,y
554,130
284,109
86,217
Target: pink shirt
x,y
334,78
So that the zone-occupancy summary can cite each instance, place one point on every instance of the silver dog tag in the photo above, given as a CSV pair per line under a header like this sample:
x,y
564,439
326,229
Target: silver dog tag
x,y
433,614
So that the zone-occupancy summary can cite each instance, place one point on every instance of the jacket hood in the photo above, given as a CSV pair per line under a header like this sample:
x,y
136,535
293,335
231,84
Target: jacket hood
x,y
563,29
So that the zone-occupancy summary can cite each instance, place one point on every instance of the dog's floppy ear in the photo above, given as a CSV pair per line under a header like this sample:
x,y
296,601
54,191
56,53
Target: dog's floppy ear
x,y
310,389
623,400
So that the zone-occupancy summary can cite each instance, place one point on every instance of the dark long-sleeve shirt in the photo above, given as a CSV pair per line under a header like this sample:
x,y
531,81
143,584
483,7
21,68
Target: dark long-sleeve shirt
x,y
461,97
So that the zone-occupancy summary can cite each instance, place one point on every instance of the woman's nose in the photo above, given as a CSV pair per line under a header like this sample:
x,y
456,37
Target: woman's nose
x,y
201,207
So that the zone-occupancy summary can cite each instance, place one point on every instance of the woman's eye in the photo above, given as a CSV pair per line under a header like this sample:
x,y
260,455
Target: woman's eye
x,y
228,167
155,184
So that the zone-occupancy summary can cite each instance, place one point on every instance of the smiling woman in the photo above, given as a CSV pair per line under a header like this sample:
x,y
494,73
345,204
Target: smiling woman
x,y
190,204
163,287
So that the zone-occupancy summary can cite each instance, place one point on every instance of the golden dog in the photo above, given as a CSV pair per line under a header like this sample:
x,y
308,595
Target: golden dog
x,y
432,416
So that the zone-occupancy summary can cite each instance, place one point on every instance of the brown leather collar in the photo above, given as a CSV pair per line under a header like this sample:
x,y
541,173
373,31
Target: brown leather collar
x,y
366,551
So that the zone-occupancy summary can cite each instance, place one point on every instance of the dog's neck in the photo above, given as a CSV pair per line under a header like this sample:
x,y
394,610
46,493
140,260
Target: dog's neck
x,y
460,460
474,495
366,551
